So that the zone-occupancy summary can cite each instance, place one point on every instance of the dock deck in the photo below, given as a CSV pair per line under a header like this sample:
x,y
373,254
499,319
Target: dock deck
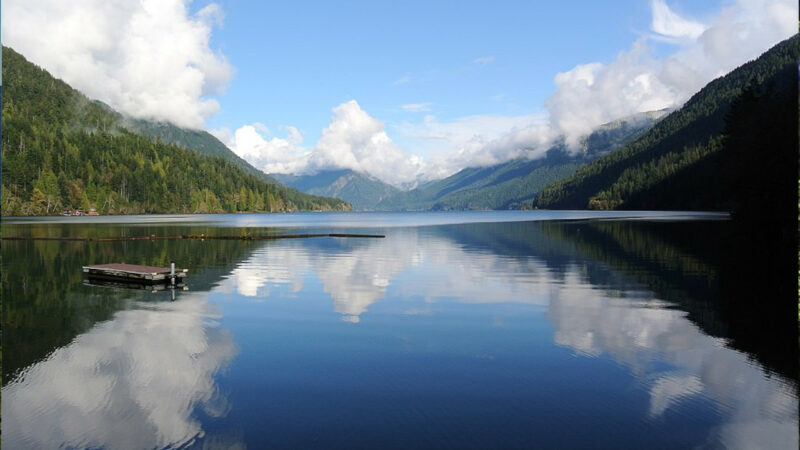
x,y
132,273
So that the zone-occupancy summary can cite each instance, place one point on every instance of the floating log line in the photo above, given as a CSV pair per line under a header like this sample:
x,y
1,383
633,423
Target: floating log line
x,y
192,236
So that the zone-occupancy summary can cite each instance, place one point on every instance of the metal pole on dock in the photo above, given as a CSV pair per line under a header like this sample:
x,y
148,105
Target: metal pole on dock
x,y
172,272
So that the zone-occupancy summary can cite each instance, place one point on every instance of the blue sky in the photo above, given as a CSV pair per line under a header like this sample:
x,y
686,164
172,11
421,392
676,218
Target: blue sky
x,y
405,91
296,60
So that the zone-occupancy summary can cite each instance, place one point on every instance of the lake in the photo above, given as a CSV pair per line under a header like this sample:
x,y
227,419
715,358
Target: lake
x,y
517,329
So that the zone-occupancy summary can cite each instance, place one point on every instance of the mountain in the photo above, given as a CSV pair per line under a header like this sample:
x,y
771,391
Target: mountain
x,y
362,191
732,146
63,150
197,140
502,186
513,184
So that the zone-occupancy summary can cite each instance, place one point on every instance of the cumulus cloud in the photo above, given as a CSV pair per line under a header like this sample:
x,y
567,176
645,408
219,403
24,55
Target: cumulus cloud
x,y
590,95
353,140
595,93
150,59
272,155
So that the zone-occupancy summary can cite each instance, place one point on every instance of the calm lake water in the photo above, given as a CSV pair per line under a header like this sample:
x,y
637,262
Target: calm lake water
x,y
457,330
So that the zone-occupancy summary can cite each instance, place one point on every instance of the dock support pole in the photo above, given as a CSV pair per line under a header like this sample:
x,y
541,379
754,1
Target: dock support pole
x,y
172,272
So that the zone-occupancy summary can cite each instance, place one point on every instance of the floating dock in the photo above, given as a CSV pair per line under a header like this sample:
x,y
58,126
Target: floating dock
x,y
131,273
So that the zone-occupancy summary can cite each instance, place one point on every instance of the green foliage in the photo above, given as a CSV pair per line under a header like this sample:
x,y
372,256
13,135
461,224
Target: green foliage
x,y
648,175
659,170
197,140
61,150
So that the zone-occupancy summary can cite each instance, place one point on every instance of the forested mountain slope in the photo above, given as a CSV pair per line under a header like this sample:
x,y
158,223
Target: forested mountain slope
x,y
727,148
62,150
197,140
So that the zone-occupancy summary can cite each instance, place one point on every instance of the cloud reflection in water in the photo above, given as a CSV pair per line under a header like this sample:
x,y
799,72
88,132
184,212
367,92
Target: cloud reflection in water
x,y
355,276
140,378
132,382
639,334
671,357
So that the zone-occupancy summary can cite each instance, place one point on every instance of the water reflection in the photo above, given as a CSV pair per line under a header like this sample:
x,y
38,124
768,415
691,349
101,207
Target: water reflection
x,y
45,303
646,336
453,333
136,381
595,309
355,273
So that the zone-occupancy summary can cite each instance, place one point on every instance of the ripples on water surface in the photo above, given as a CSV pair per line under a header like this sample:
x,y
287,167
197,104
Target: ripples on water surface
x,y
448,333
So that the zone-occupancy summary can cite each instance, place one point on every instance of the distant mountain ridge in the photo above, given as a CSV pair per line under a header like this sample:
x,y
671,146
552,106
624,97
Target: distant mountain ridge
x,y
513,184
360,190
509,185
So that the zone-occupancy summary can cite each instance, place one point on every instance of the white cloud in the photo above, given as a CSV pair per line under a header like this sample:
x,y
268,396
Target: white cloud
x,y
483,60
274,155
150,58
667,23
353,140
592,94
417,107
473,141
